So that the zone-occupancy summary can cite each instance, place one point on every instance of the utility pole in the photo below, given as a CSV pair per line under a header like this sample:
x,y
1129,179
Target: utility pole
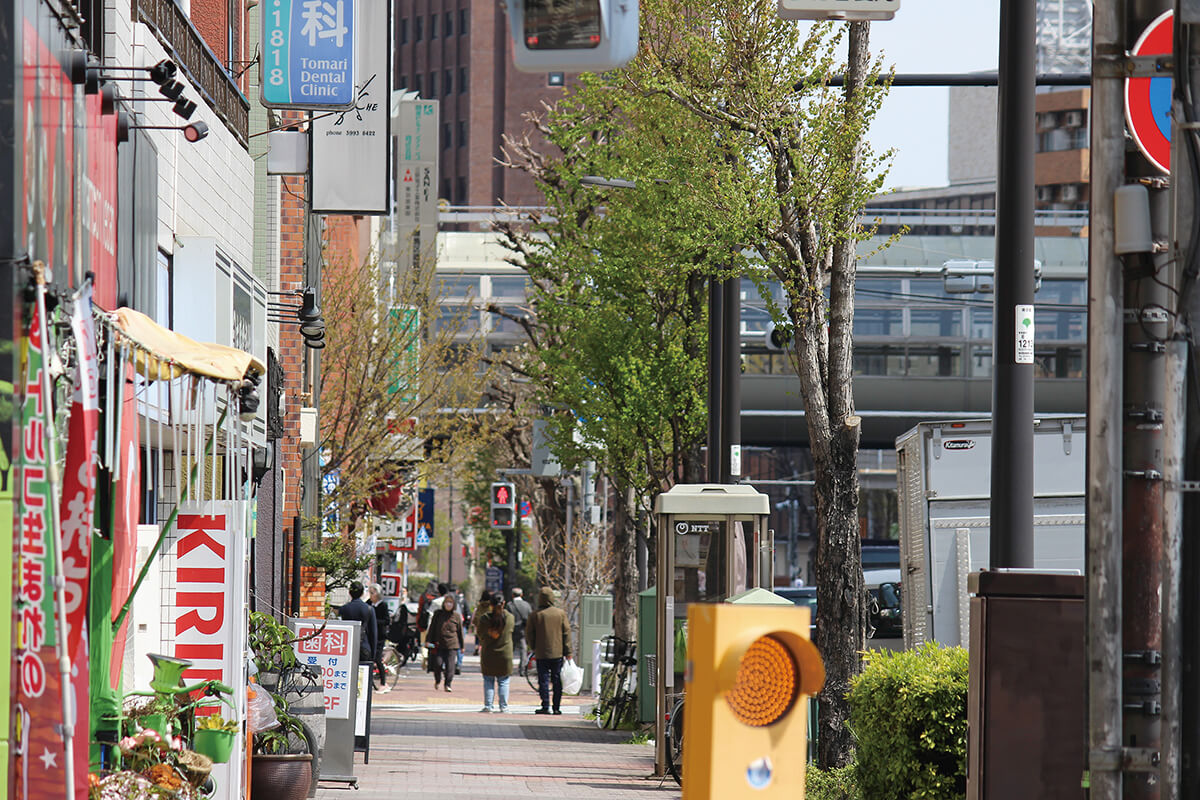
x,y
731,380
716,368
1011,540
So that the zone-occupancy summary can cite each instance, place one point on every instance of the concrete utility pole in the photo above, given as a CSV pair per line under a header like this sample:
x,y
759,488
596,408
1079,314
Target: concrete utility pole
x,y
1012,365
1105,318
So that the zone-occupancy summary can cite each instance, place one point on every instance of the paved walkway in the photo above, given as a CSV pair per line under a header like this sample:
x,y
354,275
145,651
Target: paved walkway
x,y
438,745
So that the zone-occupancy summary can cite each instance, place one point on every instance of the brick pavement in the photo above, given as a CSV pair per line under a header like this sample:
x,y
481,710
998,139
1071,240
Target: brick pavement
x,y
438,745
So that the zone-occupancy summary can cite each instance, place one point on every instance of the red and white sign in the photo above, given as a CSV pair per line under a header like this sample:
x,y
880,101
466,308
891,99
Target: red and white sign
x,y
1148,100
392,583
126,488
332,651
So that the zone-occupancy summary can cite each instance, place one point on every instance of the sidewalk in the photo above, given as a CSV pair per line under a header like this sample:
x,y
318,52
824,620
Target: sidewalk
x,y
437,744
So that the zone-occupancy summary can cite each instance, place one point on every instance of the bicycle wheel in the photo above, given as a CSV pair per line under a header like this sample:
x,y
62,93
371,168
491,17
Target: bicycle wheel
x,y
531,674
393,660
310,741
675,742
604,703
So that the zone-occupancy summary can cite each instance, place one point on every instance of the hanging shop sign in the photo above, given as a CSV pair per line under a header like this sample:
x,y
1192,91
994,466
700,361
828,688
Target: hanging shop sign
x,y
350,150
308,54
331,646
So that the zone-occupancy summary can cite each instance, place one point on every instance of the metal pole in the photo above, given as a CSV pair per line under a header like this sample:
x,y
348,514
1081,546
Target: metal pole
x,y
715,367
570,484
1174,429
1105,318
1146,327
296,566
731,380
1012,379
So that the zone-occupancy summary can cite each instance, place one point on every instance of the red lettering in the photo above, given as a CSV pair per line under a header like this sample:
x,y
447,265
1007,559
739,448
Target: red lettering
x,y
190,620
198,538
200,652
201,575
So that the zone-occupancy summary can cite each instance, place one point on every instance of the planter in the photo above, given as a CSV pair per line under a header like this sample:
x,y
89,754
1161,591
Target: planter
x,y
214,743
280,777
156,722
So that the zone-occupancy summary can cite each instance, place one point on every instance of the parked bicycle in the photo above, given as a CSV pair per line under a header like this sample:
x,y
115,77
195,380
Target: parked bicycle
x,y
531,673
617,705
674,740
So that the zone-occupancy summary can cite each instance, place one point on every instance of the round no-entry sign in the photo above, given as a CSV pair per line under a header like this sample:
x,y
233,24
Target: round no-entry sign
x,y
1148,100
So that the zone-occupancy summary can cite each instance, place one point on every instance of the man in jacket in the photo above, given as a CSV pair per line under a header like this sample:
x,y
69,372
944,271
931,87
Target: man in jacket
x,y
383,619
521,612
549,633
356,609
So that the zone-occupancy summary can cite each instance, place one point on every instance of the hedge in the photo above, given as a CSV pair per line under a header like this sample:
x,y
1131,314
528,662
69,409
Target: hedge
x,y
908,714
831,784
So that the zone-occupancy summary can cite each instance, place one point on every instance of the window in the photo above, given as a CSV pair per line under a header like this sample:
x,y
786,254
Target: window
x,y
462,80
460,285
446,136
433,26
403,82
462,22
404,31
448,85
878,360
417,85
929,361
510,286
445,193
878,322
418,29
433,84
930,323
462,133
448,25
460,190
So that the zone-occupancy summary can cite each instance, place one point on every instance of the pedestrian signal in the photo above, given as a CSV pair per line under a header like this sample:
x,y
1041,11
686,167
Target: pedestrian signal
x,y
504,505
750,672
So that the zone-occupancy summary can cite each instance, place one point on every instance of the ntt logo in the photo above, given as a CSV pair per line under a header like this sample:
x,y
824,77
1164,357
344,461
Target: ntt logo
x,y
959,444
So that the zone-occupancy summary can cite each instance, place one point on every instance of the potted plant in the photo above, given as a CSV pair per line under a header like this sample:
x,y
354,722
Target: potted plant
x,y
282,759
215,737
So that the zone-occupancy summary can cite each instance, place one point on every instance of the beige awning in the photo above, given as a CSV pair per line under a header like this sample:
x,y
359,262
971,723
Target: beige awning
x,y
160,353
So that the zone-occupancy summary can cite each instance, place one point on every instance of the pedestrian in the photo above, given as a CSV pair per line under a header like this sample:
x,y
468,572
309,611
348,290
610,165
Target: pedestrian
x,y
494,631
383,620
446,637
356,609
521,611
549,634
425,608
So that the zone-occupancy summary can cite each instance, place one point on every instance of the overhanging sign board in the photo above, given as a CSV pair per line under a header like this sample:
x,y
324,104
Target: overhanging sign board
x,y
350,151
838,9
308,53
417,145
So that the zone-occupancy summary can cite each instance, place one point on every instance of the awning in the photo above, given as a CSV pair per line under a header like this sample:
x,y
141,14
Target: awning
x,y
160,353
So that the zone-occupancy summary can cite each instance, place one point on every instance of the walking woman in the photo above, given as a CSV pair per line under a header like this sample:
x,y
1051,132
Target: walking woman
x,y
494,632
446,636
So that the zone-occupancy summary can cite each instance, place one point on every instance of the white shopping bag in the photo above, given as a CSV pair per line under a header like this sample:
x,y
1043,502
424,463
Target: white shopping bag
x,y
572,677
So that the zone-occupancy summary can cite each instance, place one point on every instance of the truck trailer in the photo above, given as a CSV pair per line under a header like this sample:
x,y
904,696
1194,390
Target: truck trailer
x,y
943,474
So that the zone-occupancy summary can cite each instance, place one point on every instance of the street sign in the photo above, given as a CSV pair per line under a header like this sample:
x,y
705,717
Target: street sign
x,y
423,536
838,9
493,579
1148,100
308,54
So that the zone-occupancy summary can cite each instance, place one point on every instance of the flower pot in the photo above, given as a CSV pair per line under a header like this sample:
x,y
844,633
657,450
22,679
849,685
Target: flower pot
x,y
280,777
214,743
157,722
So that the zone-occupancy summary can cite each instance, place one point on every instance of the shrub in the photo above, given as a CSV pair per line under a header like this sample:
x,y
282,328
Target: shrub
x,y
908,713
831,784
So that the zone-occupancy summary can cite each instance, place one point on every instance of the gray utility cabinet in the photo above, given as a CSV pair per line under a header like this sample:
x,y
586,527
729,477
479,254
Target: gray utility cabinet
x,y
595,622
943,472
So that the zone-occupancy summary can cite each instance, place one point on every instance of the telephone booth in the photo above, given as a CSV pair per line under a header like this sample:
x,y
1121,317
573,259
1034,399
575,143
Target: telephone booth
x,y
713,543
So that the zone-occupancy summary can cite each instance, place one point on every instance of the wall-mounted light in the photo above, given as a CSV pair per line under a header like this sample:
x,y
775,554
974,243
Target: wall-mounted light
x,y
193,132
248,398
308,314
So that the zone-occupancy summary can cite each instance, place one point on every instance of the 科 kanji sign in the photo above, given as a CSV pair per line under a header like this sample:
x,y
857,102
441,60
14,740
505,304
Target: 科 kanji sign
x,y
308,53
330,646
1148,100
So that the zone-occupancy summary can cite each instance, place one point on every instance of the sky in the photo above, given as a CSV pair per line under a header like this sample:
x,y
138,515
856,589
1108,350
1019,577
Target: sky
x,y
929,36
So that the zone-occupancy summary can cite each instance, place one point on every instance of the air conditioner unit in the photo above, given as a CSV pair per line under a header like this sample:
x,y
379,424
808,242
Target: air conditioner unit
x,y
1047,121
1069,192
1073,119
1045,194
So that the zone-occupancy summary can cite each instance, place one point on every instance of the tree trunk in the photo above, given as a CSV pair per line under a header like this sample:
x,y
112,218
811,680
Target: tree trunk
x,y
625,584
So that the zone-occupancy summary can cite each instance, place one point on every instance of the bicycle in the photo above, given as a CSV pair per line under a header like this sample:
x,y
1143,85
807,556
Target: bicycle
x,y
617,704
531,674
398,654
674,740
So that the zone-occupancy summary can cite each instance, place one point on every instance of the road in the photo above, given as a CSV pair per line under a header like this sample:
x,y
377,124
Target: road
x,y
436,745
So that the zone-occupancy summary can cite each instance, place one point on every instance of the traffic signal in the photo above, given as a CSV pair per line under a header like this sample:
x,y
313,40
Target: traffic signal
x,y
750,671
504,506
573,35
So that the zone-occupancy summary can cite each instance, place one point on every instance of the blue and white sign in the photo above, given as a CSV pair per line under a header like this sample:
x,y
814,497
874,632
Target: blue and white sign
x,y
308,53
423,536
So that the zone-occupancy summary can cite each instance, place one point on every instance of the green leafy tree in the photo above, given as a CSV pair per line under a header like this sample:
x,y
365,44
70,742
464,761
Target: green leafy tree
x,y
764,169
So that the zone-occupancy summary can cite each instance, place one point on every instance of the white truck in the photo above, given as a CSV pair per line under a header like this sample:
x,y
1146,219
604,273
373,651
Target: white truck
x,y
943,472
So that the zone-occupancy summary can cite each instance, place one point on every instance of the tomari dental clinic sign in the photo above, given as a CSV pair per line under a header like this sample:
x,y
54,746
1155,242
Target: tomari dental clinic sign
x,y
308,53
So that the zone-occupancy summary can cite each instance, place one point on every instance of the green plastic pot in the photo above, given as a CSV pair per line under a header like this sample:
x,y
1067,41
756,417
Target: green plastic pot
x,y
214,743
156,722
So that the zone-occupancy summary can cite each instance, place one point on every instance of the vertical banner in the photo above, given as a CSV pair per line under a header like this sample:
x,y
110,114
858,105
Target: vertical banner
x,y
126,501
37,712
350,150
208,554
417,149
75,511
